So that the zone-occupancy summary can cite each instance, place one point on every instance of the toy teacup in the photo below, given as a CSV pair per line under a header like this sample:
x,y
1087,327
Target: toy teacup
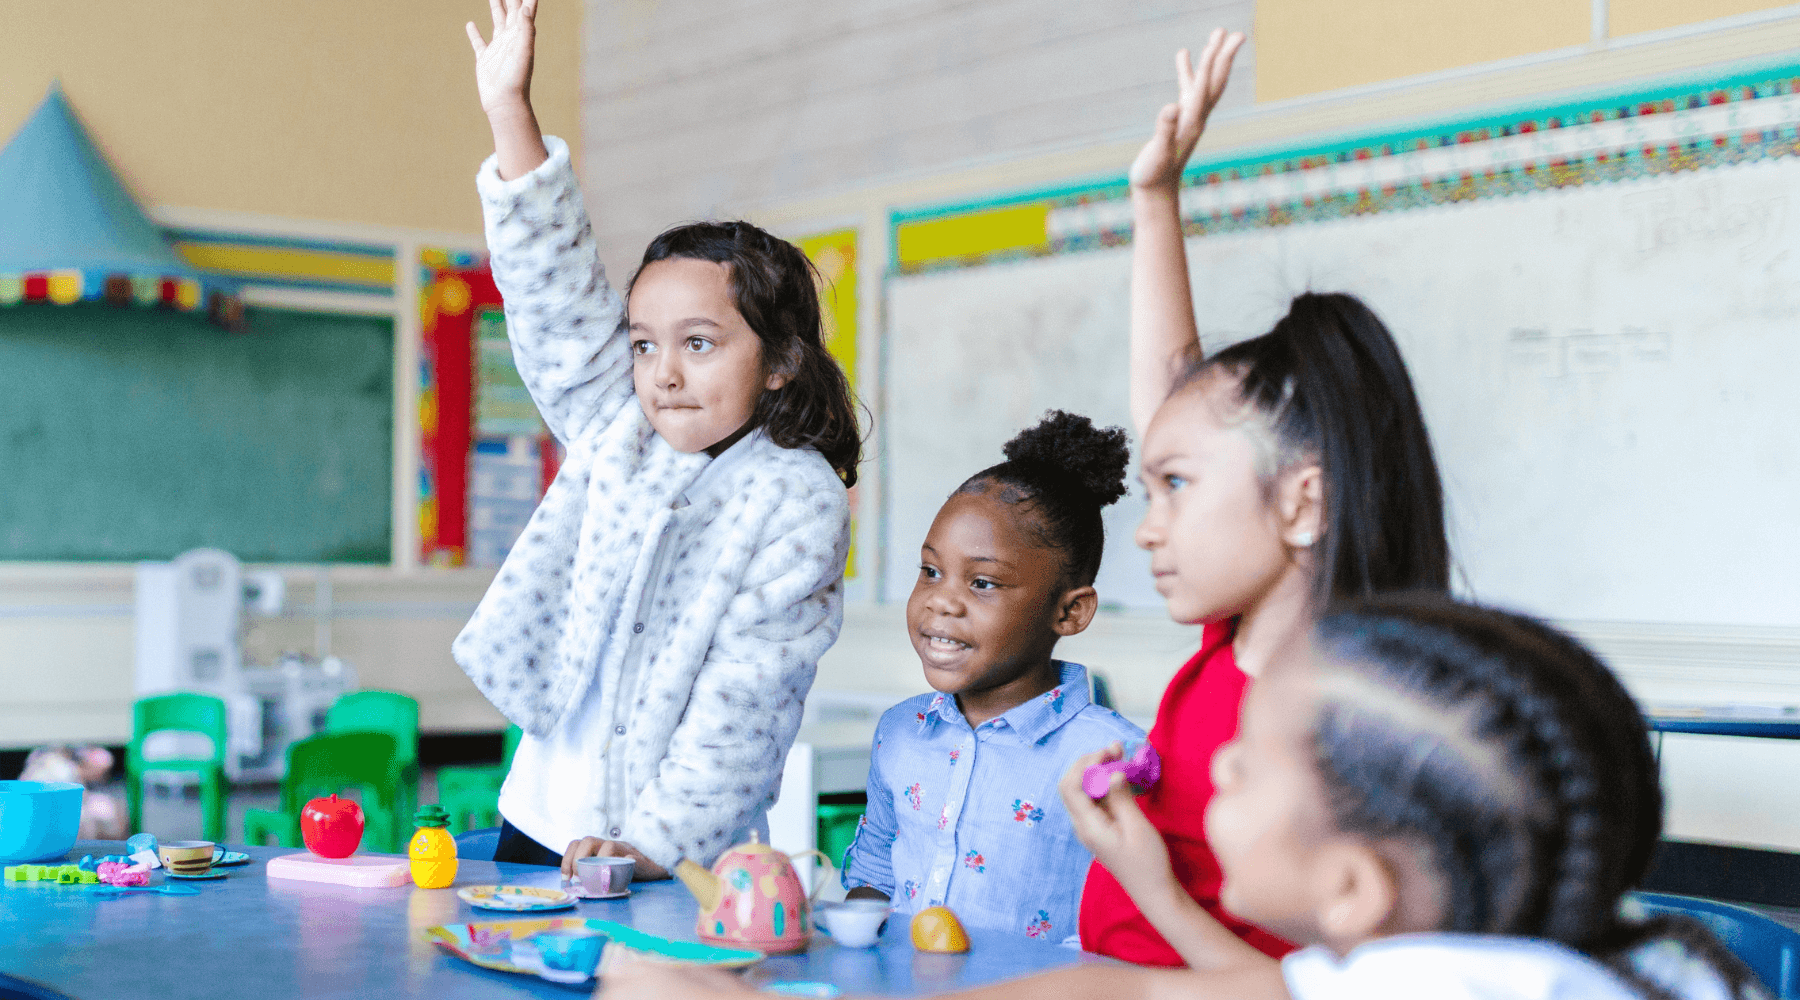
x,y
187,857
570,949
605,876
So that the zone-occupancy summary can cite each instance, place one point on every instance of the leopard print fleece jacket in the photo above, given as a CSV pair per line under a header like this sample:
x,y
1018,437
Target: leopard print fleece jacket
x,y
752,587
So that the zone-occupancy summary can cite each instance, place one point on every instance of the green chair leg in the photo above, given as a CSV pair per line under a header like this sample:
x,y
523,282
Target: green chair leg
x,y
213,795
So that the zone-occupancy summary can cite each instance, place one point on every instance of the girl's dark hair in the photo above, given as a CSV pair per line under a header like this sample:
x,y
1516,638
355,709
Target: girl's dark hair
x,y
773,286
1066,469
1331,384
1513,759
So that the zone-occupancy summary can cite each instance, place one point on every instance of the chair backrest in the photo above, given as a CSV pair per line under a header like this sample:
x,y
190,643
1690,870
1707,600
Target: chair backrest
x,y
331,762
511,742
1770,949
378,712
182,711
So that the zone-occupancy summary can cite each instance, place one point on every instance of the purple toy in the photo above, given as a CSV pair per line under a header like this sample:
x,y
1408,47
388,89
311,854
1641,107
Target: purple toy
x,y
1141,767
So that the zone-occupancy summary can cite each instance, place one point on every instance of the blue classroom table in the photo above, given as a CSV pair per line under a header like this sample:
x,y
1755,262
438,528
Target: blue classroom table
x,y
250,936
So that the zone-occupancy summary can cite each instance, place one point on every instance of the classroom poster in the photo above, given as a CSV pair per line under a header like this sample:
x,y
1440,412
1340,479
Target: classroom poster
x,y
834,254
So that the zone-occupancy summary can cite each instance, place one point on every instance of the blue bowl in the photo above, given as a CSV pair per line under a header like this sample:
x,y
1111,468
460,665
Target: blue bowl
x,y
38,819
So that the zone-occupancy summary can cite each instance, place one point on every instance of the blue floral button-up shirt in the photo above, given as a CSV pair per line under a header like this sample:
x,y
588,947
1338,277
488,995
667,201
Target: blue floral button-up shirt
x,y
971,819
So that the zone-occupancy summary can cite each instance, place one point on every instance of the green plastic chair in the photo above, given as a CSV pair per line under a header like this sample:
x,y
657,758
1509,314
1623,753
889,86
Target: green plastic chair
x,y
183,712
396,715
471,793
328,764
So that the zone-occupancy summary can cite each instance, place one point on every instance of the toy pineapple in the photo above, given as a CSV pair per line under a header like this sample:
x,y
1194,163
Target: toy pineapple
x,y
433,850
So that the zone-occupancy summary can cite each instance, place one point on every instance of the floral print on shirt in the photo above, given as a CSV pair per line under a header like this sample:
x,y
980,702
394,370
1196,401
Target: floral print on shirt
x,y
969,816
1026,813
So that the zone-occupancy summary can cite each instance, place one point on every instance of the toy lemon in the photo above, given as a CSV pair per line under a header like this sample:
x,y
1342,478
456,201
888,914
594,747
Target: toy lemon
x,y
433,850
936,928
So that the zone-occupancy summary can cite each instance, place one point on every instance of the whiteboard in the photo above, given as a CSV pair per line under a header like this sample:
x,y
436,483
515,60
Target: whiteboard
x,y
1610,374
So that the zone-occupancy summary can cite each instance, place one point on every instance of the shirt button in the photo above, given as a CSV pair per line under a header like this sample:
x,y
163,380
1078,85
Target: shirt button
x,y
615,831
639,627
620,730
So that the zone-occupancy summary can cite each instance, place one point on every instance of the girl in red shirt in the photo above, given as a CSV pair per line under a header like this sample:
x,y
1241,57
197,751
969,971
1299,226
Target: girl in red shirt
x,y
1284,472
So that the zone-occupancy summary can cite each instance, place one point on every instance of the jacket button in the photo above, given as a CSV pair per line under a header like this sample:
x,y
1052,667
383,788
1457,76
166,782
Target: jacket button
x,y
639,627
619,729
615,831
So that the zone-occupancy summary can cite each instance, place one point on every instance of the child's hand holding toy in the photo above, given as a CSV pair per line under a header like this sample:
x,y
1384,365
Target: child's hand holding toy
x,y
1113,827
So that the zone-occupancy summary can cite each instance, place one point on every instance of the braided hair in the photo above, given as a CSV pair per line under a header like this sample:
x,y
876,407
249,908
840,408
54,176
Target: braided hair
x,y
1514,760
1066,470
1329,383
773,285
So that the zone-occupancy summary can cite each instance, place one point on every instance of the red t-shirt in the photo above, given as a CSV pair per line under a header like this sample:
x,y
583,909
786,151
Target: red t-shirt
x,y
1199,714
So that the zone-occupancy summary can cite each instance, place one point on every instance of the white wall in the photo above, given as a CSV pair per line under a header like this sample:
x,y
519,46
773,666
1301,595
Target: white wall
x,y
695,108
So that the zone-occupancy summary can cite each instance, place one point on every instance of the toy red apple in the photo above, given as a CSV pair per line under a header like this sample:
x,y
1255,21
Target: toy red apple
x,y
331,827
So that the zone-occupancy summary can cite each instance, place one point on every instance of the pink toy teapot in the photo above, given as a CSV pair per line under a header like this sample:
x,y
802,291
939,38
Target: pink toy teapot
x,y
753,898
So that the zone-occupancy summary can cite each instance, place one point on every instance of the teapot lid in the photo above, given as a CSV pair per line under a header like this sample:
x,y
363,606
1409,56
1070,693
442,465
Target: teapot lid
x,y
755,846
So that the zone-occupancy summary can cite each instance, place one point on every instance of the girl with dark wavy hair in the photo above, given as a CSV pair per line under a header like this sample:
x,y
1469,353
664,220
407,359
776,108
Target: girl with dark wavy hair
x,y
656,627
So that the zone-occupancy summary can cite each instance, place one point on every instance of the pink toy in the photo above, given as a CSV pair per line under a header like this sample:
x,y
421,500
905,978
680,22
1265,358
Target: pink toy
x,y
752,898
116,873
1141,767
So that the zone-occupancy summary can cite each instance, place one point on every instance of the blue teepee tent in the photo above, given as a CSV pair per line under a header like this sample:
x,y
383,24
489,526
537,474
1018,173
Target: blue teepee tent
x,y
70,232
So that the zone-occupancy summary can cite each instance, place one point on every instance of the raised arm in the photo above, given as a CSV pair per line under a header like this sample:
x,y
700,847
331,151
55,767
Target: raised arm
x,y
1162,305
503,80
565,320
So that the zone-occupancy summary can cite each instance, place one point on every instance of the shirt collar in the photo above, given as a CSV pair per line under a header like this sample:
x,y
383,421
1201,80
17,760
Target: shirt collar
x,y
716,475
1033,720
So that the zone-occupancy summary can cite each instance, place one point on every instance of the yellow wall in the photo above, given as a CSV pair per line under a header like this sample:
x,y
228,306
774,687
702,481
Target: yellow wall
x,y
328,109
1307,46
1628,17
1312,46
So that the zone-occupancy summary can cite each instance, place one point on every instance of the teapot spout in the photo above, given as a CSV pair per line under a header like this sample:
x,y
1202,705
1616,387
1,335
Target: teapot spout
x,y
702,883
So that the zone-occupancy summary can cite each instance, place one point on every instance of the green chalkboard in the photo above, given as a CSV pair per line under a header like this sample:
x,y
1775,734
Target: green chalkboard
x,y
139,434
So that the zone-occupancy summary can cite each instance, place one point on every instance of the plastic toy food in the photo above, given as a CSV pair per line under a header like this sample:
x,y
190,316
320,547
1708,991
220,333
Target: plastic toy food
x,y
432,850
1141,767
331,827
936,928
752,897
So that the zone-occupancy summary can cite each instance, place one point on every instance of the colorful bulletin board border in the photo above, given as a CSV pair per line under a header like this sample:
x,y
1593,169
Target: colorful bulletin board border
x,y
453,289
318,265
1746,114
834,254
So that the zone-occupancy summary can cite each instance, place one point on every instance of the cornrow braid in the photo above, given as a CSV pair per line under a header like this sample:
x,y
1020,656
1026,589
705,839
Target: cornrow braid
x,y
1514,759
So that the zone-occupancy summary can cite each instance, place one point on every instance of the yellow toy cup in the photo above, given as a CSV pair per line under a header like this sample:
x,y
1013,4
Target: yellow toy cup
x,y
187,857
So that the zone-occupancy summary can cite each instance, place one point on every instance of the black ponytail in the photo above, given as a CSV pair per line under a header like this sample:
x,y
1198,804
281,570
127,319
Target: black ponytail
x,y
1331,384
774,287
1532,790
1067,470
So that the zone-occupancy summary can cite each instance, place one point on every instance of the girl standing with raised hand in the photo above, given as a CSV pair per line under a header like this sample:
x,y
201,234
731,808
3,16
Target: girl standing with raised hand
x,y
1287,471
656,627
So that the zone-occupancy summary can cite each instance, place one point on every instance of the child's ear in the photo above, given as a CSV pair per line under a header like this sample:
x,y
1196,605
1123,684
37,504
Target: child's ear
x,y
1362,895
1075,610
1302,504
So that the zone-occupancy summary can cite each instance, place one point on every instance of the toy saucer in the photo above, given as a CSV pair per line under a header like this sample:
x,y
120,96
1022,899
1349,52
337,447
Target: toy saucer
x,y
198,878
226,859
579,891
516,898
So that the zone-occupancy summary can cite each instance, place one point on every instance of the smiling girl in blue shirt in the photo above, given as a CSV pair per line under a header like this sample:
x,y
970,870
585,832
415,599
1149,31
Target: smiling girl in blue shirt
x,y
963,806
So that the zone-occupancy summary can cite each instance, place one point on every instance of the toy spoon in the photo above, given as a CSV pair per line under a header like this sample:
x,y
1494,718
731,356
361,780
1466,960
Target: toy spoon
x,y
167,890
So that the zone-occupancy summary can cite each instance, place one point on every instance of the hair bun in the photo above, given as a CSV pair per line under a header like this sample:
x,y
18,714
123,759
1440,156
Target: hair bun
x,y
1083,457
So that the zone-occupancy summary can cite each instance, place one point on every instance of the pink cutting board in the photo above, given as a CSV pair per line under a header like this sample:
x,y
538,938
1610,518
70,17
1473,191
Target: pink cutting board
x,y
357,870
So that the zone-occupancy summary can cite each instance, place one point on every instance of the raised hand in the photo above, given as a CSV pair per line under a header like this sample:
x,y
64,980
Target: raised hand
x,y
1179,125
503,65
